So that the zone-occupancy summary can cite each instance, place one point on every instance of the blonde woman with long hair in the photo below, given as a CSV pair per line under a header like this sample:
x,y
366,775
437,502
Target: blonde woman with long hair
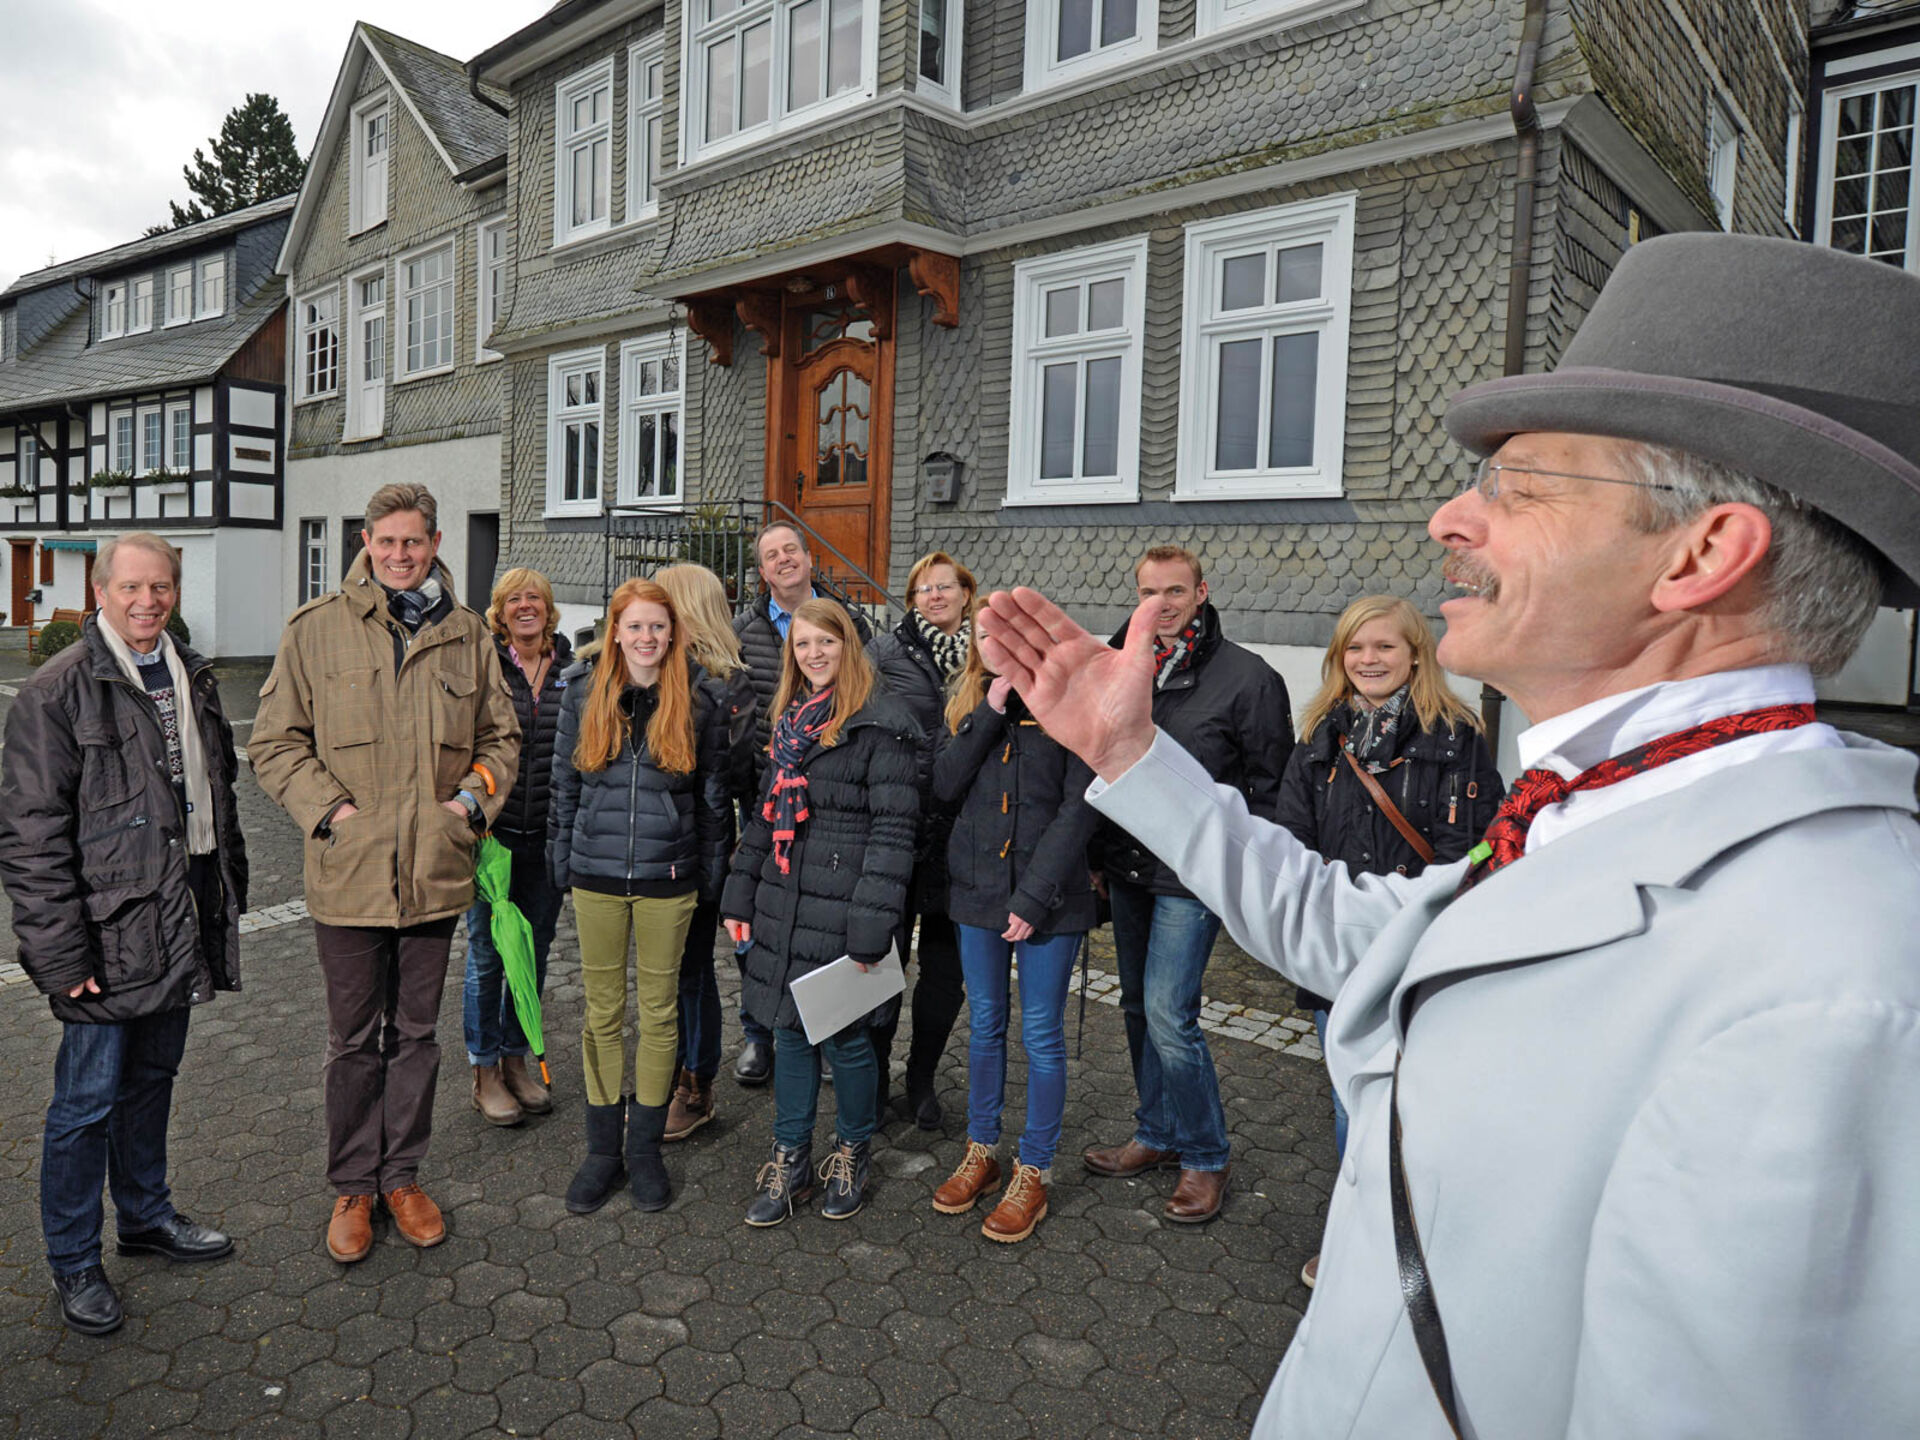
x,y
713,650
1384,711
822,872
638,827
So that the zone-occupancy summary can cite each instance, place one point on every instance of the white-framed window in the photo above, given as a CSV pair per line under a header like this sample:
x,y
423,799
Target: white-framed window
x,y
319,343
113,313
1723,157
583,154
426,310
1867,201
1070,38
1079,319
213,286
650,409
153,441
26,468
315,580
755,67
937,52
646,84
180,437
1212,15
490,279
372,127
367,355
574,410
140,307
122,452
180,295
1263,357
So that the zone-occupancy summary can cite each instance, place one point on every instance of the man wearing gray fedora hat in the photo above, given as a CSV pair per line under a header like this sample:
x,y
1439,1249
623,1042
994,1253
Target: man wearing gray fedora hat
x,y
1634,1146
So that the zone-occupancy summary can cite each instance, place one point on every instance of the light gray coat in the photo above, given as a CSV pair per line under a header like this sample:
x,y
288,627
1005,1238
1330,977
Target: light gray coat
x,y
1660,1107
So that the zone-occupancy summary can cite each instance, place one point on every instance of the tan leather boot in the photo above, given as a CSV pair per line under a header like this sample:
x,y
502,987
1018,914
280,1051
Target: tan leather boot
x,y
690,1108
350,1231
415,1216
1020,1209
492,1098
524,1085
977,1174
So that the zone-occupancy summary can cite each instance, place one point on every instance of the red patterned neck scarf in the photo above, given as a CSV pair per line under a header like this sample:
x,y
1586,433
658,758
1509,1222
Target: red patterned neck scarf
x,y
1506,838
1170,657
794,737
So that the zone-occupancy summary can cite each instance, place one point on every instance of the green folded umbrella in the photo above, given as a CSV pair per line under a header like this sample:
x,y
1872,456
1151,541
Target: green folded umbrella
x,y
513,940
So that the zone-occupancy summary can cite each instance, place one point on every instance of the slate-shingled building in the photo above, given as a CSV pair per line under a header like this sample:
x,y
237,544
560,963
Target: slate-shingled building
x,y
394,265
1197,270
140,388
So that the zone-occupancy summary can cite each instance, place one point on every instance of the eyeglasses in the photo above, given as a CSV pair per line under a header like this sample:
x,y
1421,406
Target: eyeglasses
x,y
921,591
1486,479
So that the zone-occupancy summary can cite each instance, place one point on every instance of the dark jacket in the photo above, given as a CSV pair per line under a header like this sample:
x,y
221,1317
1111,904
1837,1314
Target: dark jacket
x,y
846,885
913,677
736,700
1019,842
633,828
522,822
1443,780
93,840
762,648
1228,710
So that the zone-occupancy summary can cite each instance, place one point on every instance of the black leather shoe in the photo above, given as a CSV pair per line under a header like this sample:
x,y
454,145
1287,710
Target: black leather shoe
x,y
87,1301
755,1065
923,1106
178,1239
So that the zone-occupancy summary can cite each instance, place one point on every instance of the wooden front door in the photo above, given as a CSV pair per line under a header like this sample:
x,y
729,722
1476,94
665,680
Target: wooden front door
x,y
22,581
831,413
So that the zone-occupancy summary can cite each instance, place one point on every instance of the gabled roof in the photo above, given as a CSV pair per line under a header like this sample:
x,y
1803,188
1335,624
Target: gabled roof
x,y
467,134
65,369
151,247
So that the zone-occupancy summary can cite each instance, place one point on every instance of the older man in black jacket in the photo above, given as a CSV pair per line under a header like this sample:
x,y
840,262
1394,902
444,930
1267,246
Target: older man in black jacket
x,y
1229,708
120,848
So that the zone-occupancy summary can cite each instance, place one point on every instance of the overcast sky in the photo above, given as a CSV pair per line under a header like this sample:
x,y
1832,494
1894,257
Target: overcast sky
x,y
105,100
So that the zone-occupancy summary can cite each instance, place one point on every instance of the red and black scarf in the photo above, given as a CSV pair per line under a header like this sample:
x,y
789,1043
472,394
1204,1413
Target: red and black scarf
x,y
1171,657
794,737
1506,838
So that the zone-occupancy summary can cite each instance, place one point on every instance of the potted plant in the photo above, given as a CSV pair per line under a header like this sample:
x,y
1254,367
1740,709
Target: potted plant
x,y
105,482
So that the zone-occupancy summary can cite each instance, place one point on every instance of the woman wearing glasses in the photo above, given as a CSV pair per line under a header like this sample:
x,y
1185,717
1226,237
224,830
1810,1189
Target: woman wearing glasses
x,y
918,660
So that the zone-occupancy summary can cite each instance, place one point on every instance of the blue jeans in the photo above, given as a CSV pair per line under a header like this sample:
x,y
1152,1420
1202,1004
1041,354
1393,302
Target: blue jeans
x,y
796,1085
491,1024
1163,944
750,1028
1046,970
700,995
112,1096
1339,1110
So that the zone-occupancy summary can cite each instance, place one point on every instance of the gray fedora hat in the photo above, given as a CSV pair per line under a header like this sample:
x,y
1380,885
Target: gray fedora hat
x,y
1793,363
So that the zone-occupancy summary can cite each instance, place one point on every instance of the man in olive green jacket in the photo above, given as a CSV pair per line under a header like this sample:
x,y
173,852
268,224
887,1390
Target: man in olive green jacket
x,y
386,732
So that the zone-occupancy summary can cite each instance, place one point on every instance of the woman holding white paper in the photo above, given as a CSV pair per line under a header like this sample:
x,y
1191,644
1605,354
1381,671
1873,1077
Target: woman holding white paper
x,y
822,872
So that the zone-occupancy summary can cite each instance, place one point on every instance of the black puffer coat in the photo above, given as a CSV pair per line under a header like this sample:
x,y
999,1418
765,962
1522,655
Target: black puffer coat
x,y
846,883
762,648
913,677
736,700
522,822
633,828
1443,780
1019,842
93,844
1228,710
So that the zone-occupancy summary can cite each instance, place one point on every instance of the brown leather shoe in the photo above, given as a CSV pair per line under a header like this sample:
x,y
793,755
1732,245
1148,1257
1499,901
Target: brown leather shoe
x,y
1132,1158
1198,1196
525,1085
491,1097
350,1231
1020,1209
415,1216
690,1108
1310,1272
977,1174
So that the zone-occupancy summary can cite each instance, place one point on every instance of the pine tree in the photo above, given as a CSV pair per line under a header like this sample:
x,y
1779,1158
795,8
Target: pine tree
x,y
254,159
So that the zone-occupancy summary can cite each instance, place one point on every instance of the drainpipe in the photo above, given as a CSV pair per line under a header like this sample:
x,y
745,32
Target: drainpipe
x,y
1526,166
473,89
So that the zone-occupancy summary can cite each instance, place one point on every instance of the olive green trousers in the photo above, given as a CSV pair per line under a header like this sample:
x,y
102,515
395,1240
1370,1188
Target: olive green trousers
x,y
654,931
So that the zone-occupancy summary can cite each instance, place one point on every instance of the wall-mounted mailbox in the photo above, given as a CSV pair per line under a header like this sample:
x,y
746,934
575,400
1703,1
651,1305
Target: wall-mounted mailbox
x,y
942,472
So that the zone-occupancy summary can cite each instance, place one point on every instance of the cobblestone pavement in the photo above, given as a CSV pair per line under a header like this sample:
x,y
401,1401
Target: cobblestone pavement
x,y
531,1322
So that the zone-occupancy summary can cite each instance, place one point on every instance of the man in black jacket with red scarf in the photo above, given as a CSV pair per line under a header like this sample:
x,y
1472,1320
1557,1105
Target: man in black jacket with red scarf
x,y
120,848
1229,708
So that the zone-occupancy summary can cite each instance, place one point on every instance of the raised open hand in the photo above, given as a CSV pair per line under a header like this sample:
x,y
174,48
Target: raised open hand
x,y
1093,699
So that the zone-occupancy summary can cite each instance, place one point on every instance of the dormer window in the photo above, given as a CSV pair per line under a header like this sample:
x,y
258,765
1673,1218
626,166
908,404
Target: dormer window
x,y
113,318
140,316
213,286
367,176
180,295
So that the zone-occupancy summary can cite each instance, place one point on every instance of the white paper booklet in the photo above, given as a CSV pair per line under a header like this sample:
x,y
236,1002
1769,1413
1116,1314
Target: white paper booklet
x,y
834,996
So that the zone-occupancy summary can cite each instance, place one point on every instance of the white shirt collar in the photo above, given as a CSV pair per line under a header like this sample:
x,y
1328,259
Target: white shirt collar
x,y
1582,738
